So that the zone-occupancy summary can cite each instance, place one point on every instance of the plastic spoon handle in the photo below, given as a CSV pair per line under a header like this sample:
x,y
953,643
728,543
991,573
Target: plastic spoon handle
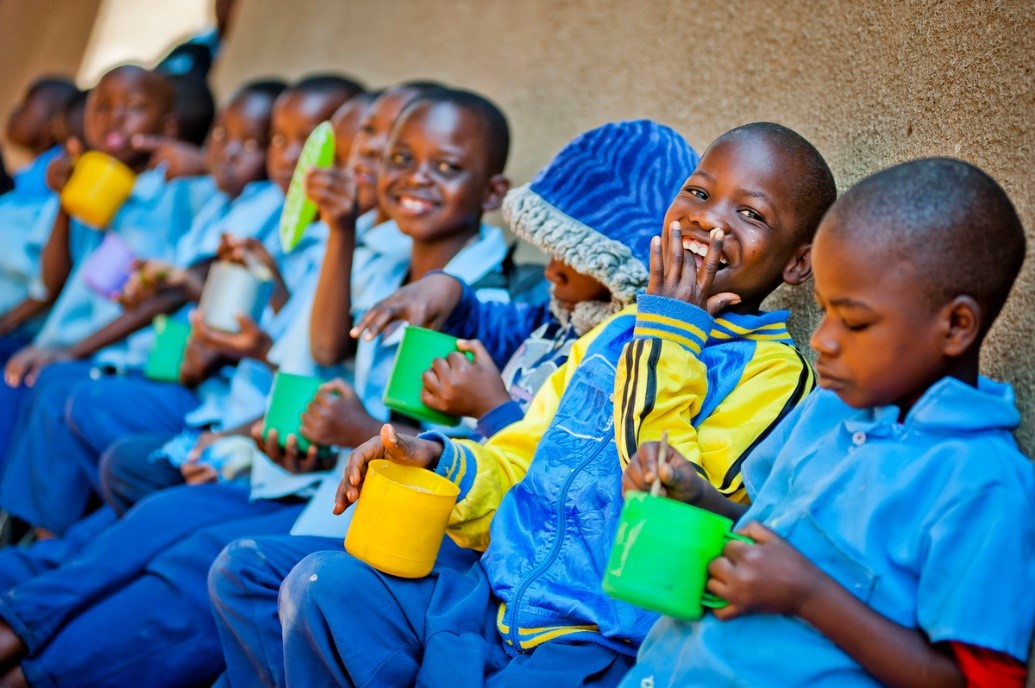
x,y
655,488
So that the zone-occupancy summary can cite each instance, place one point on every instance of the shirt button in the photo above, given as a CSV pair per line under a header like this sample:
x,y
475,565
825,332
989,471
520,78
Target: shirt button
x,y
859,438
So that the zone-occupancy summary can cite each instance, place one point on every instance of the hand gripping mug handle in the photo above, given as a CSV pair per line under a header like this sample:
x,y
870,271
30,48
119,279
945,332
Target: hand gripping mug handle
x,y
711,600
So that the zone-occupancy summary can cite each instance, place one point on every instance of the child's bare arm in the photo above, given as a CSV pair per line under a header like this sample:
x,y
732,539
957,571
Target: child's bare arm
x,y
772,577
334,193
127,323
20,314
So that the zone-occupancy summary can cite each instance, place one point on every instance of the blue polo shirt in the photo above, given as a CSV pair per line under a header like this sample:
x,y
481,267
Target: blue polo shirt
x,y
26,215
931,522
157,214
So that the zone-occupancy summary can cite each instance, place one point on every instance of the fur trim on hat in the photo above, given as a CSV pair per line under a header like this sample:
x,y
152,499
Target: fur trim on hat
x,y
568,240
585,315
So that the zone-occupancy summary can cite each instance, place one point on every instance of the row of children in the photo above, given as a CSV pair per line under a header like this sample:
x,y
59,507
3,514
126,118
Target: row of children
x,y
881,508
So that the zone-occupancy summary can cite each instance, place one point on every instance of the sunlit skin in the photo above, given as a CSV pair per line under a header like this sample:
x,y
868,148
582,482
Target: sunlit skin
x,y
126,103
295,115
876,320
570,287
435,182
745,187
346,123
369,143
236,150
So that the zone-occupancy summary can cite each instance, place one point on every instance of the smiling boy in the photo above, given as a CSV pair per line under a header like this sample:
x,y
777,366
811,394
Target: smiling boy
x,y
532,609
892,513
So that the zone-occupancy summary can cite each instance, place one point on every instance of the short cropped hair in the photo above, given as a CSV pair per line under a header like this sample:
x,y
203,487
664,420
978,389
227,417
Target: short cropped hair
x,y
816,181
329,84
496,130
944,219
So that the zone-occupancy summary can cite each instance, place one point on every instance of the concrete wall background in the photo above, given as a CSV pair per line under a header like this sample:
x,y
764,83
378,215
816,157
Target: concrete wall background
x,y
870,83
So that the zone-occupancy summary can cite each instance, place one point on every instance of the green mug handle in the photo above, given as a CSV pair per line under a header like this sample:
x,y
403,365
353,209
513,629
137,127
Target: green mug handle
x,y
711,600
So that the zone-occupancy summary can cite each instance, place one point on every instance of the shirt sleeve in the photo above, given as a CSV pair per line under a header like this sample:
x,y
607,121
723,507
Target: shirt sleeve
x,y
661,385
501,327
987,541
485,472
987,669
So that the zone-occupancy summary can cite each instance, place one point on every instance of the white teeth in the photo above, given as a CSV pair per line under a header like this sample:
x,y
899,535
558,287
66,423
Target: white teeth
x,y
413,204
698,249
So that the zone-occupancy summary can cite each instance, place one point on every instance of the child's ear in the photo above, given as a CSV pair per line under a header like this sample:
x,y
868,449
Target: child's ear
x,y
962,318
170,127
495,190
799,267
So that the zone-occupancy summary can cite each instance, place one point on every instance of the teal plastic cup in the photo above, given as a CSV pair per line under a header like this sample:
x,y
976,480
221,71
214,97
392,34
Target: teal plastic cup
x,y
661,555
418,348
167,350
289,398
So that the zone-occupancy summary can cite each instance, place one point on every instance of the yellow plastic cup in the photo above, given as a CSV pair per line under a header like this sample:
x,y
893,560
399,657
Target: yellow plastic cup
x,y
400,518
98,187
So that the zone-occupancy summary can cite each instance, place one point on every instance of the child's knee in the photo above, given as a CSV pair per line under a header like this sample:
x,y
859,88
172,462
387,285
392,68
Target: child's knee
x,y
324,581
234,568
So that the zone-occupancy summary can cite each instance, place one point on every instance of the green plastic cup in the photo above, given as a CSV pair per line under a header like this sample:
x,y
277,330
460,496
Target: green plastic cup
x,y
419,347
288,400
661,555
166,355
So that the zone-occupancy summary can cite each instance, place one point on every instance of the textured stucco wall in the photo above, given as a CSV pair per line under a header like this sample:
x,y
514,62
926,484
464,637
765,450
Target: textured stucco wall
x,y
38,37
870,83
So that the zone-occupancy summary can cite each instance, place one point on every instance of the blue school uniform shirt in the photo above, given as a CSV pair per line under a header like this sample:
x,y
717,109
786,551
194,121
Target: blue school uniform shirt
x,y
26,215
254,213
373,365
151,223
931,522
238,394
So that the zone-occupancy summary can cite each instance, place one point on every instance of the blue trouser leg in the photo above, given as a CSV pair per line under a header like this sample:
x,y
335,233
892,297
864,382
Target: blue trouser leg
x,y
350,625
41,455
10,345
128,474
38,608
113,408
52,471
158,630
347,624
20,564
243,585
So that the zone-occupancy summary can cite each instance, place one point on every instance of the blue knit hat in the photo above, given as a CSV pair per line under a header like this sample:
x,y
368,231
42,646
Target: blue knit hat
x,y
599,202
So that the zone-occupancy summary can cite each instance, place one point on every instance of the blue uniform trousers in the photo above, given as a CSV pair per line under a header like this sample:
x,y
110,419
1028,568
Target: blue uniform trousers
x,y
17,403
131,606
51,472
243,584
350,625
128,475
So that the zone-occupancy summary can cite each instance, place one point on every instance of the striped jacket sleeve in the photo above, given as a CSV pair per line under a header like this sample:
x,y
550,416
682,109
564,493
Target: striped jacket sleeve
x,y
485,472
661,385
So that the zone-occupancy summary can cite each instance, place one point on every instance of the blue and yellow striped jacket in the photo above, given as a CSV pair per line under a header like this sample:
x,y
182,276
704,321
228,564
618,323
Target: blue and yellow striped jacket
x,y
542,497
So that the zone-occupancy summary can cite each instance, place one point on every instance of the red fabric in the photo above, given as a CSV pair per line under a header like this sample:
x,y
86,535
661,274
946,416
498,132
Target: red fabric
x,y
987,668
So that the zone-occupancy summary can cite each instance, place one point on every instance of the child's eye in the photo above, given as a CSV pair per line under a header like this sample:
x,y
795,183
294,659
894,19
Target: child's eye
x,y
855,327
446,167
218,135
278,141
697,193
751,214
399,158
251,146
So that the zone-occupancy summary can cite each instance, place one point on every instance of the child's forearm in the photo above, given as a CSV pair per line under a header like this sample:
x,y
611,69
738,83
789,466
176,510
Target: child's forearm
x,y
56,259
331,320
128,323
20,314
896,656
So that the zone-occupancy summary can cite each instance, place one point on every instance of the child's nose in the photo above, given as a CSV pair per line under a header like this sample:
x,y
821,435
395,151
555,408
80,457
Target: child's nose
x,y
823,340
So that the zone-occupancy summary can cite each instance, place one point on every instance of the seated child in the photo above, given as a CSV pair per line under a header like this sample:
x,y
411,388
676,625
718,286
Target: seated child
x,y
52,465
136,589
137,465
547,486
582,238
892,512
29,128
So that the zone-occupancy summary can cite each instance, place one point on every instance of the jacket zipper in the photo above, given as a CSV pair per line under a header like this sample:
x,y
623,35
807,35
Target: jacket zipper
x,y
554,550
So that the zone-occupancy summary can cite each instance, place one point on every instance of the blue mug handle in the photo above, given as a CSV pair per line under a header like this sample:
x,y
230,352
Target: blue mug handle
x,y
711,600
